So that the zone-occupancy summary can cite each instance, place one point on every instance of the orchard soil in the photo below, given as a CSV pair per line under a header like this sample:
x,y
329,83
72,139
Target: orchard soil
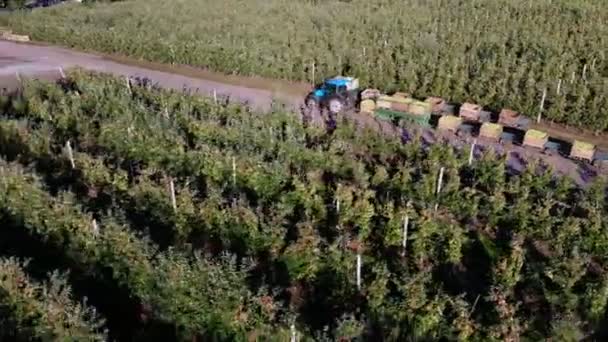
x,y
36,60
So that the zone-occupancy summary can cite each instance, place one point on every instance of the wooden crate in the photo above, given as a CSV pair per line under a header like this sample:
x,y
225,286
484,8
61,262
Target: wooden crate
x,y
449,123
14,37
383,104
370,93
420,108
367,106
400,107
399,99
470,112
508,117
536,138
437,104
582,150
490,131
401,94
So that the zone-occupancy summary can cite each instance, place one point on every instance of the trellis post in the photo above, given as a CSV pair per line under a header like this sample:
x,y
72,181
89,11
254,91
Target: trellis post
x,y
439,185
584,72
172,191
95,227
293,333
542,106
68,147
474,305
234,171
573,76
472,153
271,136
358,270
440,180
128,82
406,223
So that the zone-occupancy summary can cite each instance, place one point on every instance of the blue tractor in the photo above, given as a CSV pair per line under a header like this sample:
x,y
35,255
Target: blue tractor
x,y
335,95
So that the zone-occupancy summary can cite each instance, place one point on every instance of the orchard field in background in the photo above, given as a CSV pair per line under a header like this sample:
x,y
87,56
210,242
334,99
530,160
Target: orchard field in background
x,y
501,53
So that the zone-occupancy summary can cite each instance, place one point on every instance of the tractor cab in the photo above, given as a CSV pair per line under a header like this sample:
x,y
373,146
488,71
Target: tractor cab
x,y
334,94
336,85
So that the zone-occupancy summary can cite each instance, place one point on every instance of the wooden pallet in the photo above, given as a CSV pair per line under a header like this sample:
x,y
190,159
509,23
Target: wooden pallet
x,y
9,35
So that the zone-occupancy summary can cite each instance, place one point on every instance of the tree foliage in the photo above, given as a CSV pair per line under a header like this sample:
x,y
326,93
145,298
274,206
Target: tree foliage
x,y
43,311
231,225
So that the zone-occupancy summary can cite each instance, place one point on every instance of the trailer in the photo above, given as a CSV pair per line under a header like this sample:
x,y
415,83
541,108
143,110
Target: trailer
x,y
340,94
395,102
395,116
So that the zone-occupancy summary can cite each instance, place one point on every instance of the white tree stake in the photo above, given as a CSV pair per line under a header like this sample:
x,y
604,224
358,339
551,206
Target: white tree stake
x,y
233,171
172,190
440,180
439,185
474,305
573,76
215,96
61,72
293,333
128,82
559,86
95,227
358,271
18,76
542,106
472,153
338,205
585,72
593,64
271,135
68,147
406,223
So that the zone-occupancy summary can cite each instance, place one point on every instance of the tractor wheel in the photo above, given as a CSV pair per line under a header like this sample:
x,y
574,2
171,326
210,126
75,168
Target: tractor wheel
x,y
335,106
312,105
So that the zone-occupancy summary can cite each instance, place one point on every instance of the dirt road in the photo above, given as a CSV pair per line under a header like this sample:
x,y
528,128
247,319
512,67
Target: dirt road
x,y
28,60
